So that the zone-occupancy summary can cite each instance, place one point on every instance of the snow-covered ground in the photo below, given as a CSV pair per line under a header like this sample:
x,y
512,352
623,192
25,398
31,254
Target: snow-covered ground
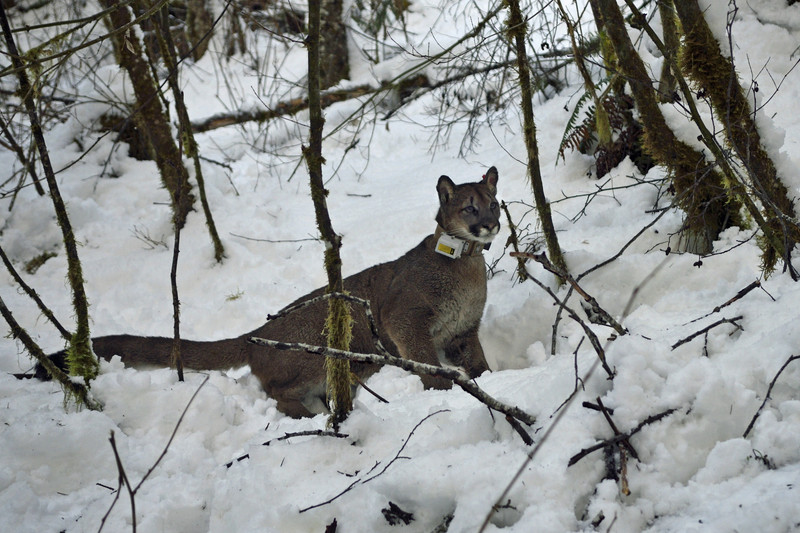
x,y
432,453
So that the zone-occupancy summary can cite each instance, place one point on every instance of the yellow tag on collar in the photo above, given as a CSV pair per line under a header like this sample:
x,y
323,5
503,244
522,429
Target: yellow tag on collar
x,y
449,246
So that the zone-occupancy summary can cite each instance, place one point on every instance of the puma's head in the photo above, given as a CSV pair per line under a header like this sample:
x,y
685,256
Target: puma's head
x,y
469,211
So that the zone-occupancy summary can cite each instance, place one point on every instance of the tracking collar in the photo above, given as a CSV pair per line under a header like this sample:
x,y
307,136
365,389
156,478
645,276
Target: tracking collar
x,y
455,247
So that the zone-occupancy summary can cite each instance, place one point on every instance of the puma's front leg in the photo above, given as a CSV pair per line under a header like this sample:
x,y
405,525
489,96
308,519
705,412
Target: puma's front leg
x,y
410,333
466,351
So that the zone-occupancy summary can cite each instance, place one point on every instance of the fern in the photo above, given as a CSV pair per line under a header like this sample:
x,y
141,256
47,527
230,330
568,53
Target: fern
x,y
569,138
580,136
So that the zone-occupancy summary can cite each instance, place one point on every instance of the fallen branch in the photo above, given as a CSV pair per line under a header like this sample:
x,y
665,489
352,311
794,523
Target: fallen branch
x,y
289,107
595,342
738,296
456,376
709,328
373,327
287,436
624,442
769,391
616,439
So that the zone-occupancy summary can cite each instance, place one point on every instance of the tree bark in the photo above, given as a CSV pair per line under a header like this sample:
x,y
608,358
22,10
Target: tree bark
x,y
334,64
199,24
150,115
517,29
666,82
702,60
699,187
338,325
169,54
81,361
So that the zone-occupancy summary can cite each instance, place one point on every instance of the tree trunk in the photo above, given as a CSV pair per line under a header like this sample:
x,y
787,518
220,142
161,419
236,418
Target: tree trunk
x,y
516,27
666,82
702,60
168,53
149,114
334,64
199,25
338,325
699,188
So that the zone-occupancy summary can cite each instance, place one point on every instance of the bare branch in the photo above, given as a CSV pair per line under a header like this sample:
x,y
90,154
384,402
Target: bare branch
x,y
363,480
456,376
709,328
769,391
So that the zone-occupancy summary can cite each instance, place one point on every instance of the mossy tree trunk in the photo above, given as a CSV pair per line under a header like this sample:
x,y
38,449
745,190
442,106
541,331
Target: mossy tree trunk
x,y
666,82
169,55
149,114
517,30
80,359
339,322
700,189
702,60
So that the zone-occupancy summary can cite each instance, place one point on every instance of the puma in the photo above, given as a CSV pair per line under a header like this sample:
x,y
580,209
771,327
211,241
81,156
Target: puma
x,y
427,306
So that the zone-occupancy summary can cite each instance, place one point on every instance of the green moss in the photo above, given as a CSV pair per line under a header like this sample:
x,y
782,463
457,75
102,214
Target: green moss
x,y
338,329
34,264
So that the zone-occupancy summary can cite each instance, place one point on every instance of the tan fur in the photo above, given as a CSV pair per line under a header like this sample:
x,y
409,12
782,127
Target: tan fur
x,y
426,306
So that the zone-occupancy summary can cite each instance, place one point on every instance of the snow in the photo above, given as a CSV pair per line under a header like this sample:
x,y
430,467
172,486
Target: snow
x,y
432,453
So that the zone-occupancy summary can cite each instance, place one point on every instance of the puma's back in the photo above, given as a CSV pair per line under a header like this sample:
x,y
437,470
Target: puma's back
x,y
427,305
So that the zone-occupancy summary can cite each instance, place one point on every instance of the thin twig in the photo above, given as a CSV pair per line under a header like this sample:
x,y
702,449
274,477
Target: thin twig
x,y
709,328
769,391
287,436
542,259
620,437
363,480
738,296
123,477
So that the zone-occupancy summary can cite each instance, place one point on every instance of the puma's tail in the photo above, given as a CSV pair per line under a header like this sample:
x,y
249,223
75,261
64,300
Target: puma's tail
x,y
157,351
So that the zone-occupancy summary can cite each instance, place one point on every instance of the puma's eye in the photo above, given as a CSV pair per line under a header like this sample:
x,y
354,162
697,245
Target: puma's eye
x,y
493,206
470,210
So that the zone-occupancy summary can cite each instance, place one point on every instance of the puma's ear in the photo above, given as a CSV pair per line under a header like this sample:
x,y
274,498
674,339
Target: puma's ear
x,y
490,179
446,188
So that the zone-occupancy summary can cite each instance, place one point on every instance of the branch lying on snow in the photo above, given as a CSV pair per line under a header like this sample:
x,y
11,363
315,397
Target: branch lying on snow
x,y
456,376
709,328
289,107
738,296
620,437
769,391
287,436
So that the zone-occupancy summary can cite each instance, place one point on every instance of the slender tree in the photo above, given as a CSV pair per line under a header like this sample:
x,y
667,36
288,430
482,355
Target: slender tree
x,y
80,359
700,189
169,55
517,29
334,64
339,322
